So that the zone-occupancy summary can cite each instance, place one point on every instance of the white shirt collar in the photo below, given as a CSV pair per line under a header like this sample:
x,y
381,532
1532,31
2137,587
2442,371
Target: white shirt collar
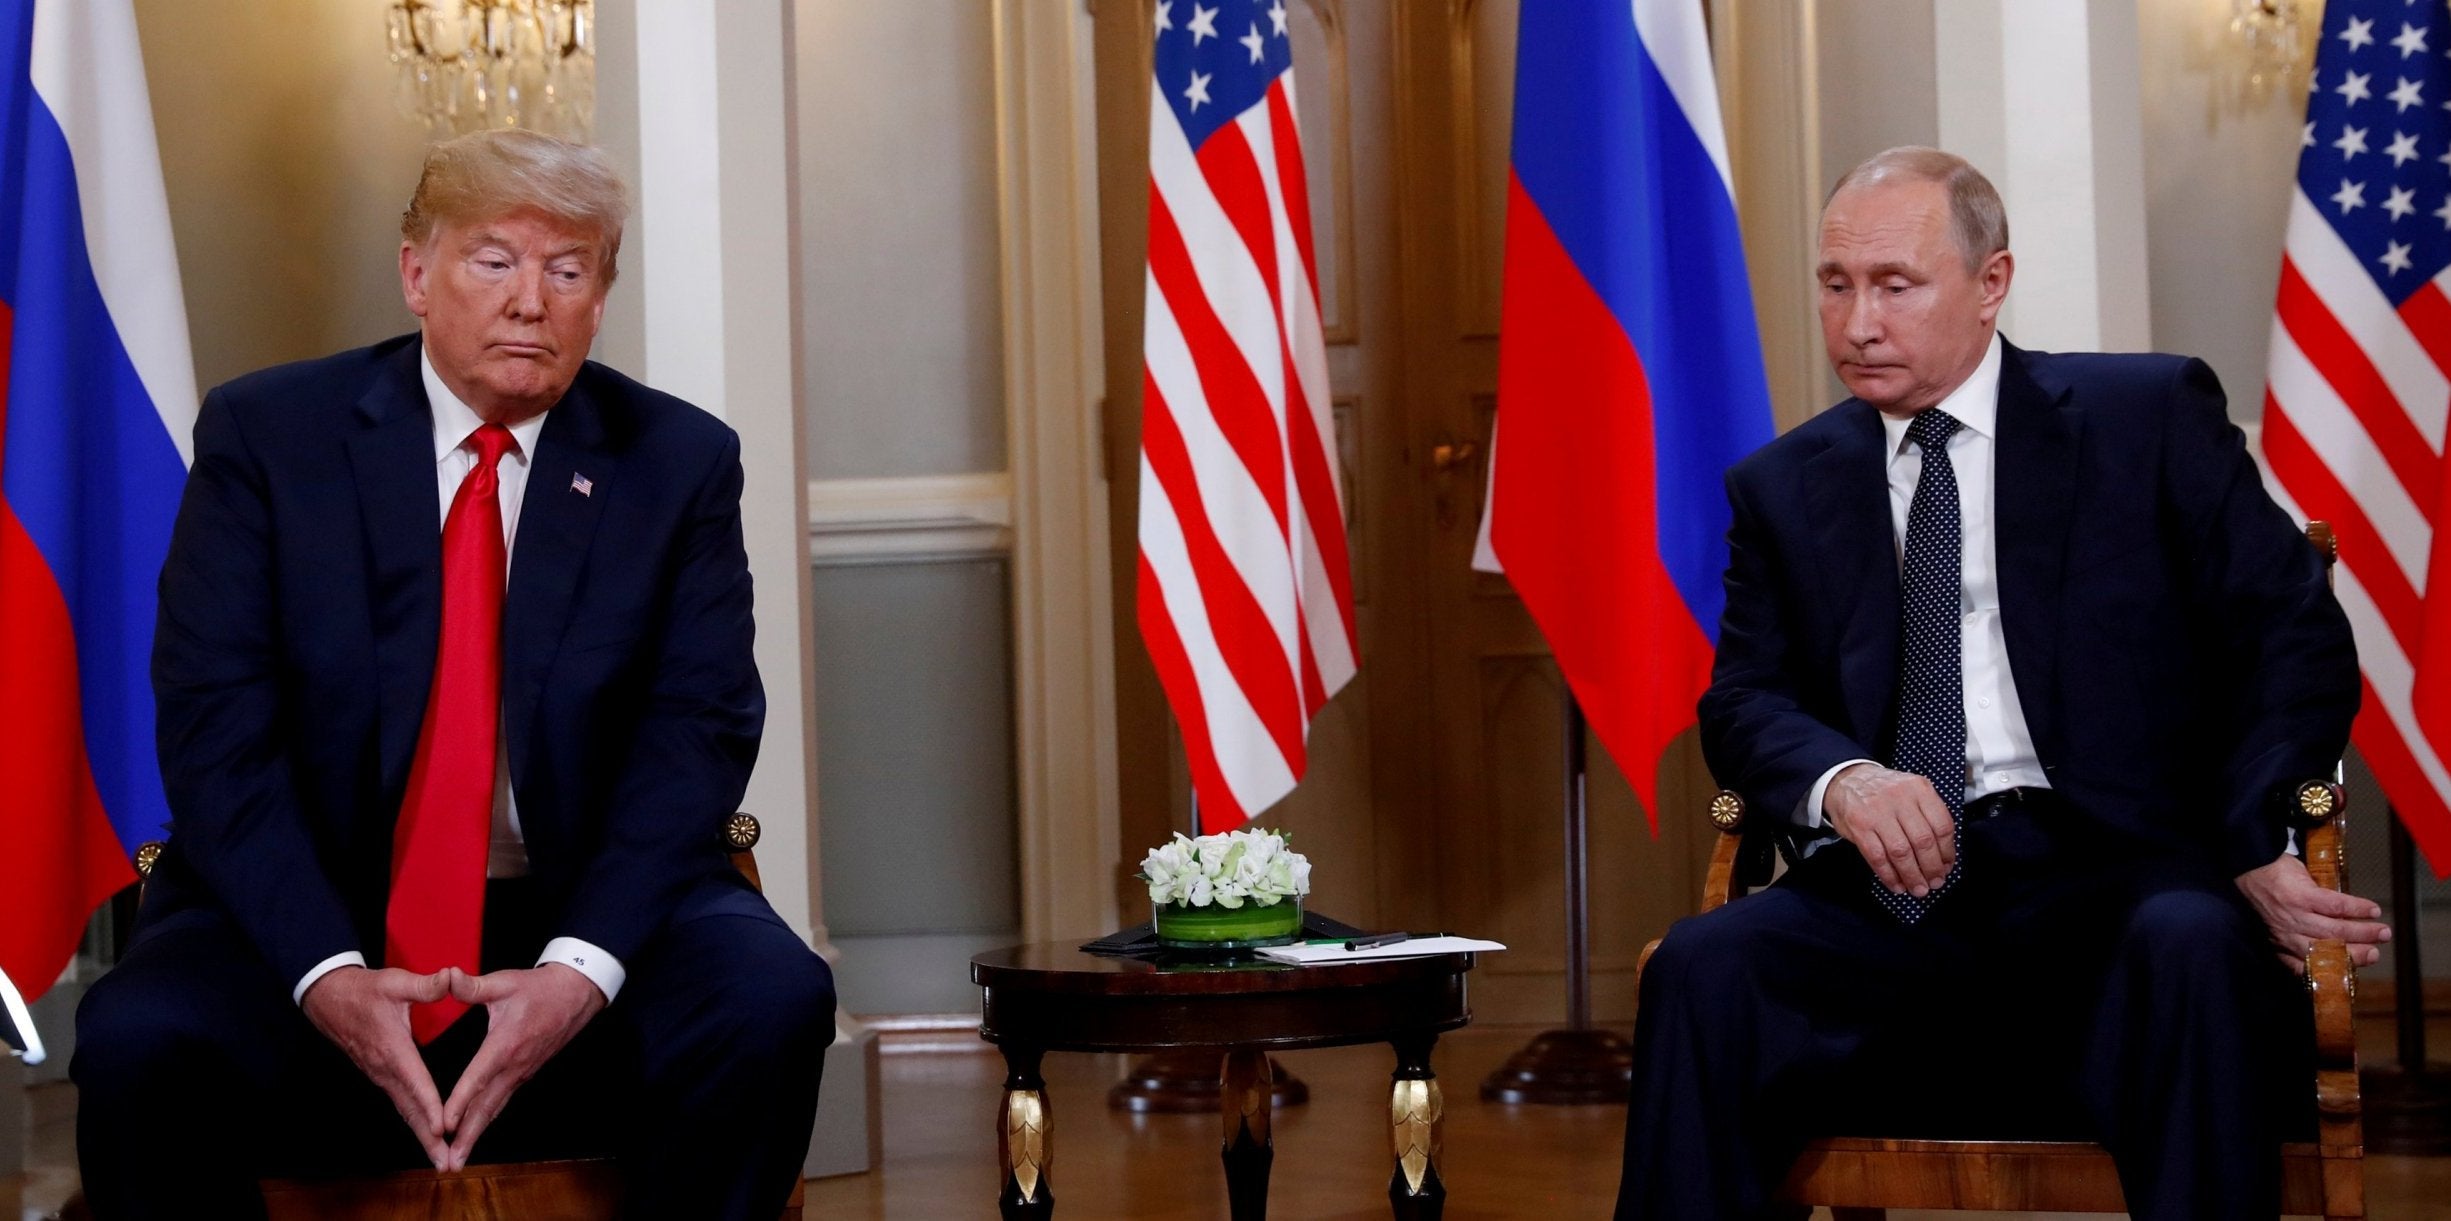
x,y
1975,402
454,420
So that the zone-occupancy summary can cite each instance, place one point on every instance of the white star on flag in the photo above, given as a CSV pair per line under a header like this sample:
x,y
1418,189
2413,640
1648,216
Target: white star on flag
x,y
1165,15
2445,213
1257,44
1203,23
1276,15
2351,196
2411,39
2395,256
2359,33
2406,94
2352,141
2354,88
1197,94
2306,135
2402,202
2403,148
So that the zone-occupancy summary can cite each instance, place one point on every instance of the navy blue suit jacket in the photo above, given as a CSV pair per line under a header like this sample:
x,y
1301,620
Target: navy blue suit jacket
x,y
2176,648
300,610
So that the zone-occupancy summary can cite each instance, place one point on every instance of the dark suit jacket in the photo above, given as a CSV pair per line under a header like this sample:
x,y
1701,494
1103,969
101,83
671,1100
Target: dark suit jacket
x,y
300,610
2176,648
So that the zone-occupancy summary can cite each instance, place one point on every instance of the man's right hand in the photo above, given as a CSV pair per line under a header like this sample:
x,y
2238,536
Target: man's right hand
x,y
366,1014
1897,821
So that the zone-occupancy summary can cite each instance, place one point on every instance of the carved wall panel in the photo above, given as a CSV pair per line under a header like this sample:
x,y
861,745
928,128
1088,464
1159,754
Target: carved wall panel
x,y
1483,65
1324,104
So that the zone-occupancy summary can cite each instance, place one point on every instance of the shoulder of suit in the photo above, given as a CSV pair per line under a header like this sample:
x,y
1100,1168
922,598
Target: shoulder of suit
x,y
1800,443
634,407
337,380
2140,373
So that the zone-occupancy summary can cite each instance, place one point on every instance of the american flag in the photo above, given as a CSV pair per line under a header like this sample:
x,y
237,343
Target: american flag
x,y
1244,598
2360,376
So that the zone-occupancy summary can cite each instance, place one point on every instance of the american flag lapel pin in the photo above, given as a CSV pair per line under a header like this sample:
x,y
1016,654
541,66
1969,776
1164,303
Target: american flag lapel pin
x,y
583,485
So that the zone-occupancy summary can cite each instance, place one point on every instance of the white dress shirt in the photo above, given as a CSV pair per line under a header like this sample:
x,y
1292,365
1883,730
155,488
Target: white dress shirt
x,y
507,857
1999,748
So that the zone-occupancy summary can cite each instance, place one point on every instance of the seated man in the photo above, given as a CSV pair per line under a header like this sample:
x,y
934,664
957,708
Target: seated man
x,y
455,693
2028,658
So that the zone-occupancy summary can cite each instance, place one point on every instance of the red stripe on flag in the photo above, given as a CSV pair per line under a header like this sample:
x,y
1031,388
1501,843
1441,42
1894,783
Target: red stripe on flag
x,y
2404,782
1292,180
1245,637
2336,354
62,858
1235,399
1218,810
2427,314
2322,498
1233,174
1576,528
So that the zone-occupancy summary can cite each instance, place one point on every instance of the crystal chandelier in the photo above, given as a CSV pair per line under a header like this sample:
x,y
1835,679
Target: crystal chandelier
x,y
2275,42
470,64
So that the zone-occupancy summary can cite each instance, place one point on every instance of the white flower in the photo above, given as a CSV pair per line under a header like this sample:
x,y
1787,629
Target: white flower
x,y
1227,870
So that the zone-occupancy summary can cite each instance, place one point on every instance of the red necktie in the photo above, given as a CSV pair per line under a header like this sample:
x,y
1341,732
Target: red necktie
x,y
437,910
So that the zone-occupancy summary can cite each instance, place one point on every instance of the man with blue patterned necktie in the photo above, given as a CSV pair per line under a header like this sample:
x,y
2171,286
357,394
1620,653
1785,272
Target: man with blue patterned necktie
x,y
2021,651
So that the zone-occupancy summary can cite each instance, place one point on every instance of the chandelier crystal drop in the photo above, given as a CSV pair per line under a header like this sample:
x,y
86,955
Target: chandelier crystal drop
x,y
471,64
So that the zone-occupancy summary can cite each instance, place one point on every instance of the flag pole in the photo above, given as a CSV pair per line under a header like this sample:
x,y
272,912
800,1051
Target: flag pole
x,y
2407,1105
1577,1064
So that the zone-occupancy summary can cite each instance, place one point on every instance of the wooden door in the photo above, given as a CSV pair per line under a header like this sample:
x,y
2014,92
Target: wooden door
x,y
1432,800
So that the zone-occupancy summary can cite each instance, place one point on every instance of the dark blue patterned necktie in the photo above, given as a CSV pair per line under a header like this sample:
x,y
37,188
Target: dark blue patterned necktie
x,y
1931,681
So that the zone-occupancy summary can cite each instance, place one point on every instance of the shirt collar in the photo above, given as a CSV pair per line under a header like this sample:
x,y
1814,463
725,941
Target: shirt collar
x,y
454,420
1975,402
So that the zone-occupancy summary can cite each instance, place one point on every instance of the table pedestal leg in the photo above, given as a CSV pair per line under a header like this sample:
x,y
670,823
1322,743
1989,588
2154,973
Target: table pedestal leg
x,y
1246,1087
1022,1139
1414,1112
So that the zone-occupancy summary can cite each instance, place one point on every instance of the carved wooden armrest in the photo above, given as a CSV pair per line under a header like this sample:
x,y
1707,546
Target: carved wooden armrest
x,y
2331,978
1727,812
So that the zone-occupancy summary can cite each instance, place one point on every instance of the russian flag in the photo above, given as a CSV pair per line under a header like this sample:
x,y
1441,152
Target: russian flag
x,y
97,399
1629,365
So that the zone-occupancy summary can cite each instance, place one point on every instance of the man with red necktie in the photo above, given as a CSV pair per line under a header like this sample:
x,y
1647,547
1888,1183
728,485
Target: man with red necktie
x,y
444,882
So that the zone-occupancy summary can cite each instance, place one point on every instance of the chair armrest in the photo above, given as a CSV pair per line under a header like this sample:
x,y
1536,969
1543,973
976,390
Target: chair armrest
x,y
2331,985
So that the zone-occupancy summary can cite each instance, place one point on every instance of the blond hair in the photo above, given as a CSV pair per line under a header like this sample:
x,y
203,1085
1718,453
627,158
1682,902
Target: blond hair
x,y
494,173
1977,218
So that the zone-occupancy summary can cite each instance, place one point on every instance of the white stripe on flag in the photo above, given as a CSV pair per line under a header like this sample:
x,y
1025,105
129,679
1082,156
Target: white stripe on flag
x,y
1231,501
87,68
2332,271
1671,31
1228,272
1254,768
2345,448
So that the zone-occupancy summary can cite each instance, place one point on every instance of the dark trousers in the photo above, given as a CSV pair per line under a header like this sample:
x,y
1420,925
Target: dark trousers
x,y
196,1075
2066,990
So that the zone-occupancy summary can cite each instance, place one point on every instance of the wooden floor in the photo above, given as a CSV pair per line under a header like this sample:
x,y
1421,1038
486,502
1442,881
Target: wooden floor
x,y
1331,1160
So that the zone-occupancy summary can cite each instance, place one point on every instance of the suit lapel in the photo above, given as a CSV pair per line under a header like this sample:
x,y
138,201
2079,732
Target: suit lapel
x,y
557,522
1847,487
391,460
2034,482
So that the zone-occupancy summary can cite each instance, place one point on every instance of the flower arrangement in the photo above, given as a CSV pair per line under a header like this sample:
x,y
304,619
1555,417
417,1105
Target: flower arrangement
x,y
1229,891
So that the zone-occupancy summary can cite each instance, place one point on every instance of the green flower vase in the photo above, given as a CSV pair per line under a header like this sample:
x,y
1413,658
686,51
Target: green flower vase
x,y
1248,927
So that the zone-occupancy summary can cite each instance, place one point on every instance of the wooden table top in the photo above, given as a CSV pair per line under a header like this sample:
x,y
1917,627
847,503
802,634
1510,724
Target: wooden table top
x,y
1057,997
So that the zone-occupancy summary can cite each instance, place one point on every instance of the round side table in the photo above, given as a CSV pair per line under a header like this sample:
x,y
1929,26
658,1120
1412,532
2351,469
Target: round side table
x,y
1034,999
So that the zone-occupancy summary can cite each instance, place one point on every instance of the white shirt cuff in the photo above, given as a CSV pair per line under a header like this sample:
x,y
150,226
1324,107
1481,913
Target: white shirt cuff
x,y
346,958
588,959
1811,815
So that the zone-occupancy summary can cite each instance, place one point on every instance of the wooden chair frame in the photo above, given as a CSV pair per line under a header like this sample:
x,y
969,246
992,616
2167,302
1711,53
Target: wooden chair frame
x,y
576,1188
1859,1178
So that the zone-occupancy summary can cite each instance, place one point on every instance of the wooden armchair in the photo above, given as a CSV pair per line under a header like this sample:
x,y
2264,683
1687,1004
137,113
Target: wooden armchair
x,y
1860,1177
574,1189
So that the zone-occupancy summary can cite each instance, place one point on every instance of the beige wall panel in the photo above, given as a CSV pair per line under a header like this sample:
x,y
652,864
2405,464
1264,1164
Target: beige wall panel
x,y
286,164
1484,33
2220,160
1323,74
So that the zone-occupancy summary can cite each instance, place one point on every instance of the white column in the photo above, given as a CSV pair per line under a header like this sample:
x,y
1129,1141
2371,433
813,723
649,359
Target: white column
x,y
2044,97
706,88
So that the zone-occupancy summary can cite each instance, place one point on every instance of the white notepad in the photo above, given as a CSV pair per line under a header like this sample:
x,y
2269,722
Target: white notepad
x,y
1416,947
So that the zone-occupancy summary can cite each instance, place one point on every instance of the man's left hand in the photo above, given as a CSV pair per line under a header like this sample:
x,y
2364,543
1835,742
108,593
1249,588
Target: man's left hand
x,y
530,1015
2299,911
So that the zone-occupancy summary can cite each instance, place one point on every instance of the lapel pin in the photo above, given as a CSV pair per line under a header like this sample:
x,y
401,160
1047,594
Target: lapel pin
x,y
583,485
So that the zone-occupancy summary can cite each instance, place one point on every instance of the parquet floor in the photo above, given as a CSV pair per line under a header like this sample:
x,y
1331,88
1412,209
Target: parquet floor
x,y
1530,1163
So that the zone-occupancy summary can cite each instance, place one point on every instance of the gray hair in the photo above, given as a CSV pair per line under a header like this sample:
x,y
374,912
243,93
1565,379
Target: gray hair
x,y
494,173
1977,218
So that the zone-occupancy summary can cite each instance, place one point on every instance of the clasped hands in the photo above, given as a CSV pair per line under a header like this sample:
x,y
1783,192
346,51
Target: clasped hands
x,y
531,1015
1902,828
